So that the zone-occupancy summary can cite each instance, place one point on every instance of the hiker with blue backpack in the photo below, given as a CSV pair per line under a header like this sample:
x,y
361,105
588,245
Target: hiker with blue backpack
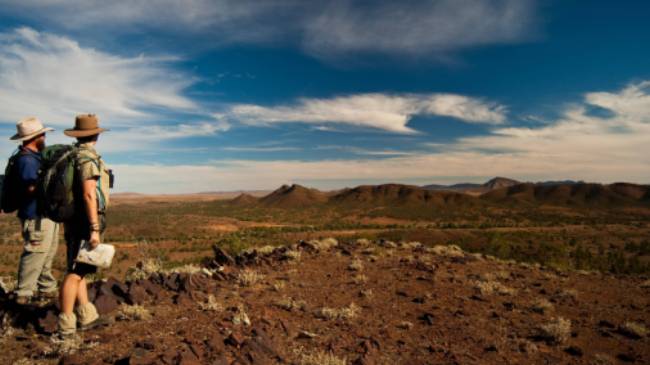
x,y
40,234
66,184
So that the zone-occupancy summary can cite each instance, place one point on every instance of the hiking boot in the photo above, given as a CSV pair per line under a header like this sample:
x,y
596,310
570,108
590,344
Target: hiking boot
x,y
45,299
23,300
101,321
50,295
59,337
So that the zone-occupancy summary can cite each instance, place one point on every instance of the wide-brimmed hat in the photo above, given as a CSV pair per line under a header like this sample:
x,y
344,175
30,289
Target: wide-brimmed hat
x,y
85,125
29,128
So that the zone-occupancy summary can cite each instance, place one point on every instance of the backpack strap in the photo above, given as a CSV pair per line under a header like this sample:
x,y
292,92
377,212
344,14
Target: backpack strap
x,y
98,191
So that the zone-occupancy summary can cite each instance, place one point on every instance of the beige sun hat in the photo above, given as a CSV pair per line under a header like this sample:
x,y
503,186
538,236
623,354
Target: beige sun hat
x,y
29,128
85,125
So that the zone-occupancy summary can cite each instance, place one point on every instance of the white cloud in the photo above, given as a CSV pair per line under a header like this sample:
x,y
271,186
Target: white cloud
x,y
365,151
417,27
576,146
259,149
464,108
382,111
152,137
630,105
324,29
55,78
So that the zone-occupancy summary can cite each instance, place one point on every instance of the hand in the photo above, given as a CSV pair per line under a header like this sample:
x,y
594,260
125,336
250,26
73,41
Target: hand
x,y
94,239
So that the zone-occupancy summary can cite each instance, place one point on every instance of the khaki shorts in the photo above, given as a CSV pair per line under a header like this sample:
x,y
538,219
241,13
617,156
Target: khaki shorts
x,y
35,234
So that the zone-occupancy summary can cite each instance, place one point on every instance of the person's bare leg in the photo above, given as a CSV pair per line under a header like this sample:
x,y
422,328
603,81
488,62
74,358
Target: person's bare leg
x,y
67,319
82,292
70,292
86,311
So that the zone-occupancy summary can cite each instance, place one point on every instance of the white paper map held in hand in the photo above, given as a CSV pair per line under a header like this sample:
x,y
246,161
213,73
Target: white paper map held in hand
x,y
101,256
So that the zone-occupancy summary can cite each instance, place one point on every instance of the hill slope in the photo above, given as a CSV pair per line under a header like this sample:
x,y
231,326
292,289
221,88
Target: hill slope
x,y
321,302
294,196
572,195
475,189
244,199
400,195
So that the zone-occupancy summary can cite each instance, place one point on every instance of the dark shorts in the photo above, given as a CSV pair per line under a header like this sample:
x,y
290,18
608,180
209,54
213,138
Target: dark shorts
x,y
77,232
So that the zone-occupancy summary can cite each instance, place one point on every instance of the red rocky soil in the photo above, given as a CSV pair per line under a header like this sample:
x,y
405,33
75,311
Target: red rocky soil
x,y
405,305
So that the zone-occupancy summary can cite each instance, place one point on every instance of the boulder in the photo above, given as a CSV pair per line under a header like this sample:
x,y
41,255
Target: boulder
x,y
137,295
119,288
172,282
106,303
221,257
194,282
47,323
150,286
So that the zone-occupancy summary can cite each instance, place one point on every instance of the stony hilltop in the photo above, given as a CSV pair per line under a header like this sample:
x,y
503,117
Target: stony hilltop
x,y
358,302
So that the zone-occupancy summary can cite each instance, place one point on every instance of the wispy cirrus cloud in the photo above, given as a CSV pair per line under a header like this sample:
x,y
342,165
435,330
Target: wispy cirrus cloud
x,y
417,27
365,151
259,149
324,29
381,111
55,78
154,137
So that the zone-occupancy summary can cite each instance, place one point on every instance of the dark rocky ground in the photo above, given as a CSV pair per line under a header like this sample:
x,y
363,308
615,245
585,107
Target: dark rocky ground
x,y
320,302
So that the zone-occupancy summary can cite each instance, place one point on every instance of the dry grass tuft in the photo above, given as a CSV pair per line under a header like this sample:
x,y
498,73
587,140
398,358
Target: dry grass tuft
x,y
67,346
24,361
7,284
133,313
364,242
290,304
366,293
360,279
602,359
492,287
645,284
345,313
557,331
633,329
477,256
291,255
411,245
405,325
248,277
265,250
542,306
241,317
369,250
143,269
211,304
528,347
571,294
318,357
185,269
278,285
447,251
324,244
356,265
387,244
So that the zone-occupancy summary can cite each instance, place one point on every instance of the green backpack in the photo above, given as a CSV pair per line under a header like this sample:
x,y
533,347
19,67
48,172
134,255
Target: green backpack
x,y
57,182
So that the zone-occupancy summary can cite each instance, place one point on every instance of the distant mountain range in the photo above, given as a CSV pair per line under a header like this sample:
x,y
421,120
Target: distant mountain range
x,y
496,183
496,192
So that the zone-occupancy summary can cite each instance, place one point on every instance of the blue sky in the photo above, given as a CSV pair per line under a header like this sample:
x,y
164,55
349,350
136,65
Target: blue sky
x,y
236,95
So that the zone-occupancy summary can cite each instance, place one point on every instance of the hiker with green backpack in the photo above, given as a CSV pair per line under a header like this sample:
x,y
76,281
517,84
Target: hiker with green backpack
x,y
80,202
40,234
